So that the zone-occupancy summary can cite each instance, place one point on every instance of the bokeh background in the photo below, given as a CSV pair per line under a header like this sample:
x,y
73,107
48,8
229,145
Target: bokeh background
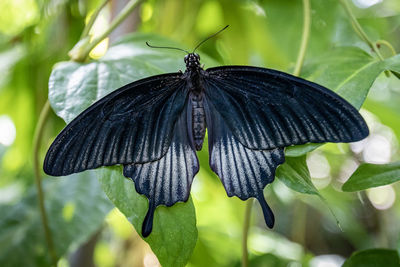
x,y
86,227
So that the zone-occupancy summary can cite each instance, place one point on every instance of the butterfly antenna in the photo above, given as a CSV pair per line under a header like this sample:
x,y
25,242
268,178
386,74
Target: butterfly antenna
x,y
209,37
167,47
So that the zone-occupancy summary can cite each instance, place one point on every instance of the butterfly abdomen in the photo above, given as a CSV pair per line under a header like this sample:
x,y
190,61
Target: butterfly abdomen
x,y
198,119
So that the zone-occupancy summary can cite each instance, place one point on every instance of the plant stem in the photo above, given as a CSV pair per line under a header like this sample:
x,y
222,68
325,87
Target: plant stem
x,y
359,30
304,37
36,144
118,20
388,45
299,228
357,27
246,225
92,19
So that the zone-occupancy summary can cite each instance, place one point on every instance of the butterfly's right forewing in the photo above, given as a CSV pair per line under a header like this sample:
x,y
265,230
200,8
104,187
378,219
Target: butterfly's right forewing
x,y
133,124
267,109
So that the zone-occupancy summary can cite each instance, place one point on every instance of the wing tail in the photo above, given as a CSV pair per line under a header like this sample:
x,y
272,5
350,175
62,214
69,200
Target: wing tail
x,y
147,226
269,217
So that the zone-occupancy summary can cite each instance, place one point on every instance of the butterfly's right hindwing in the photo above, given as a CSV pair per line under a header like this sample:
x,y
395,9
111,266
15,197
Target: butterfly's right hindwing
x,y
133,124
243,171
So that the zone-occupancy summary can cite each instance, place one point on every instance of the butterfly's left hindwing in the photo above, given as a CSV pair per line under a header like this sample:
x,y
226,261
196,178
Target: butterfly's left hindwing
x,y
167,180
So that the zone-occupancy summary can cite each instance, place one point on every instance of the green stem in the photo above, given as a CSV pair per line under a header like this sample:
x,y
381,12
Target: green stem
x,y
388,45
36,144
92,19
81,51
246,226
299,222
304,38
118,20
359,30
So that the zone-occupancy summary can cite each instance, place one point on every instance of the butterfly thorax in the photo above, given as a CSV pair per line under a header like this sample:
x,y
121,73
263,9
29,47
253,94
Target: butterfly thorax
x,y
192,61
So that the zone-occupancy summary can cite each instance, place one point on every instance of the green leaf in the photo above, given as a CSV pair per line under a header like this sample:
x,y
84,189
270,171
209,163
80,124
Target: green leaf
x,y
373,258
372,175
393,63
294,173
300,150
75,86
174,233
76,208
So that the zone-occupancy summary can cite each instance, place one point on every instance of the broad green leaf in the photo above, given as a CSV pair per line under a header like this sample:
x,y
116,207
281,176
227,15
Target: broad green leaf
x,y
373,258
372,175
76,208
294,173
74,86
174,233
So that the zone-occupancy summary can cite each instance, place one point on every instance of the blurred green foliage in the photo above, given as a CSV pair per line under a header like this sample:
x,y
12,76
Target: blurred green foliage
x,y
206,231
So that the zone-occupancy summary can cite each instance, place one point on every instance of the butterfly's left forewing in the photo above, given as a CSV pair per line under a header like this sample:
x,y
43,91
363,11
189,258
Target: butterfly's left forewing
x,y
130,125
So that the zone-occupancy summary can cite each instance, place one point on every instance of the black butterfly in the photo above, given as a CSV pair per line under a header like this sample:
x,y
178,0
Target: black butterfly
x,y
154,126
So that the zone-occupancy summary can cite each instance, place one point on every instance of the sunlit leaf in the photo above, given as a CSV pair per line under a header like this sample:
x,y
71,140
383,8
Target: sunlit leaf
x,y
372,175
373,258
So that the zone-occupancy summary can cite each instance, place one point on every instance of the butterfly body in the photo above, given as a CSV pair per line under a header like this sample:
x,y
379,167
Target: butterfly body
x,y
193,77
198,119
153,127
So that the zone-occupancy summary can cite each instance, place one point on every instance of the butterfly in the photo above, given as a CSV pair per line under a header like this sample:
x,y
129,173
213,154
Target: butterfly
x,y
154,126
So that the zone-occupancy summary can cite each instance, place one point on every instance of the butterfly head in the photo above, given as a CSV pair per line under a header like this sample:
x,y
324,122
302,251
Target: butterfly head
x,y
192,61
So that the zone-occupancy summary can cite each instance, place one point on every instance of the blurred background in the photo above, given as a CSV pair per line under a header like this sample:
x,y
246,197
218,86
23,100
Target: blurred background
x,y
36,34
